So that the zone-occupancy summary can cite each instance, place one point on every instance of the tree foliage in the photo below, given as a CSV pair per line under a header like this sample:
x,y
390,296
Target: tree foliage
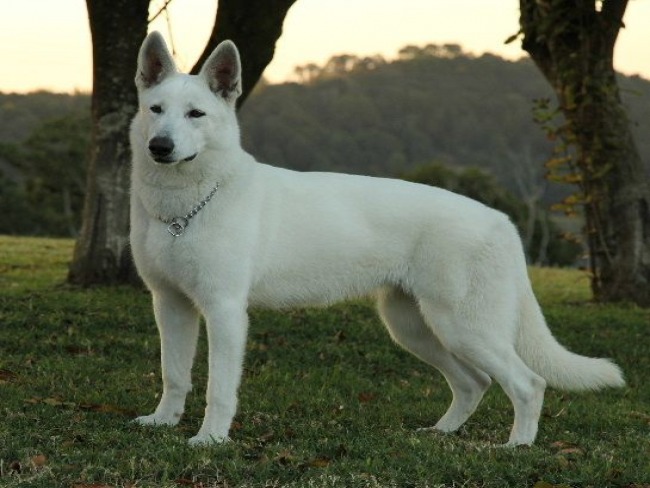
x,y
44,192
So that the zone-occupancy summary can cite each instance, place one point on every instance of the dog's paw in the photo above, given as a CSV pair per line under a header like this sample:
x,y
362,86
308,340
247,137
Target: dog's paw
x,y
511,444
200,440
436,430
155,419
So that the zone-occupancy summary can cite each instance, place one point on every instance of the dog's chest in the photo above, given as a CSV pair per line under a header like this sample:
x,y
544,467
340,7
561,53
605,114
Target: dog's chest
x,y
163,257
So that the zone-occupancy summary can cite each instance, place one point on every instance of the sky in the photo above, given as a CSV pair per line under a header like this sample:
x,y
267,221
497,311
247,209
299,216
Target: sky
x,y
45,44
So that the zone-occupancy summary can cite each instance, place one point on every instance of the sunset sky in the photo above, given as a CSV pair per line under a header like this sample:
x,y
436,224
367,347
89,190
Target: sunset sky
x,y
45,44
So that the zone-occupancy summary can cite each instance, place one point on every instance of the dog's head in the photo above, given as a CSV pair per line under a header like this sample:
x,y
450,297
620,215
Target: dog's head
x,y
183,115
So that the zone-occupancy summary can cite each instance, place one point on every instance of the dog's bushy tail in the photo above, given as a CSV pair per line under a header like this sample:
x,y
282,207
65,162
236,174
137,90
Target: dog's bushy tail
x,y
560,368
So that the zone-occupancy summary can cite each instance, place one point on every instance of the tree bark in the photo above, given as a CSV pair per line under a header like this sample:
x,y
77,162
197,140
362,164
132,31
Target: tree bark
x,y
572,43
102,252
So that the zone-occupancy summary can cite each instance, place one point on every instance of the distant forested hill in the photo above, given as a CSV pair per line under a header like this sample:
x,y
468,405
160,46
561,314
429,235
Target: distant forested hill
x,y
434,104
22,114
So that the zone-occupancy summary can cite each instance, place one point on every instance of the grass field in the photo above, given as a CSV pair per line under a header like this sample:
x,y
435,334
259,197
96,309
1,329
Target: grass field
x,y
327,400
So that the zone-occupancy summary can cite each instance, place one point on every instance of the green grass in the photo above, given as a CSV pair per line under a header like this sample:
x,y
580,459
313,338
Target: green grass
x,y
327,400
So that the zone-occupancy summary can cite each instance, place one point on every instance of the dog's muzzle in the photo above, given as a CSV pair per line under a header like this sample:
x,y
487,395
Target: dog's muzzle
x,y
161,149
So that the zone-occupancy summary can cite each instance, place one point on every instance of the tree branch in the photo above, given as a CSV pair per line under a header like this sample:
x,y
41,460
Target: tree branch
x,y
254,27
162,9
612,13
532,15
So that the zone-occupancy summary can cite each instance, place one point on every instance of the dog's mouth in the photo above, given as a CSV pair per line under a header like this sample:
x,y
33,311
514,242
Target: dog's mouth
x,y
168,160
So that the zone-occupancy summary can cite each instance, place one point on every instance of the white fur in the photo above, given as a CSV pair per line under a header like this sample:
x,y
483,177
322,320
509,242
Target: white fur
x,y
449,272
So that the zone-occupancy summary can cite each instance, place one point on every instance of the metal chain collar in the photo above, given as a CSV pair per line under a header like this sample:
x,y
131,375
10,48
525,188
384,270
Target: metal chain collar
x,y
177,225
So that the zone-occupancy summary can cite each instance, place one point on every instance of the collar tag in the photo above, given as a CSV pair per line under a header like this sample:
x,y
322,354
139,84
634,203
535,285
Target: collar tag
x,y
177,226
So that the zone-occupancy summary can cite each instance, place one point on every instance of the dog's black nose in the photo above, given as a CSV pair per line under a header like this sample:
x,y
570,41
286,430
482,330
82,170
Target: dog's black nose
x,y
160,147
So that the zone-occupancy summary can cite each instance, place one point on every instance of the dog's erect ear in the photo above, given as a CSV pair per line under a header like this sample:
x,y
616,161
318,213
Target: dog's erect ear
x,y
222,71
154,62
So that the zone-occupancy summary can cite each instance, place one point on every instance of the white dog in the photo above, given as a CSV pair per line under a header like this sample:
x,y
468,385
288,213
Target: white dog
x,y
214,231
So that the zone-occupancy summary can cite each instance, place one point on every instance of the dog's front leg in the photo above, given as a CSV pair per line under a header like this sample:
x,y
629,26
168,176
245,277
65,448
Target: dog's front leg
x,y
178,324
227,324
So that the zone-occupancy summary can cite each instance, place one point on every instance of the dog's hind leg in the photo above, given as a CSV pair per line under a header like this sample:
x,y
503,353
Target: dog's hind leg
x,y
484,341
401,315
178,324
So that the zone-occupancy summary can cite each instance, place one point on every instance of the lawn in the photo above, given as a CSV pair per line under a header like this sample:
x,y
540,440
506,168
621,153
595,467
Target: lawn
x,y
326,401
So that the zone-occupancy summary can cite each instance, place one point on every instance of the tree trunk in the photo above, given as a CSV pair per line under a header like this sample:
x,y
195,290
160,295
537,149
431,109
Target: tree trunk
x,y
572,43
254,27
102,252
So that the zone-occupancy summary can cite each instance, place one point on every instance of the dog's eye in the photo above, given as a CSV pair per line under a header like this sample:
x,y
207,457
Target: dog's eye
x,y
157,109
195,113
